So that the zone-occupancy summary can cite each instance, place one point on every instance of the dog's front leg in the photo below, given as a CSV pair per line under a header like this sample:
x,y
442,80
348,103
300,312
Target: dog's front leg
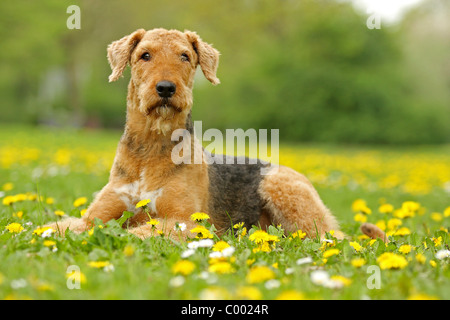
x,y
107,205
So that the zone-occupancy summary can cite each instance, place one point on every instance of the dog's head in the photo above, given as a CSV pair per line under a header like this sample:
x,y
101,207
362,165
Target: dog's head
x,y
163,64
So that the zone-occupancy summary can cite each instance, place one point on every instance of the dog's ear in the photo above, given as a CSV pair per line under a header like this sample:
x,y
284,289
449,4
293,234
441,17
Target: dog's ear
x,y
119,53
208,57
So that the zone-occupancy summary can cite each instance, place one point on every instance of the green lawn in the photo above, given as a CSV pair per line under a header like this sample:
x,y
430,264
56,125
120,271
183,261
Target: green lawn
x,y
46,170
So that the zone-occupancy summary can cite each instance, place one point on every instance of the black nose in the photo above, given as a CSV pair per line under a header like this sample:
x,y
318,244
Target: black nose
x,y
166,89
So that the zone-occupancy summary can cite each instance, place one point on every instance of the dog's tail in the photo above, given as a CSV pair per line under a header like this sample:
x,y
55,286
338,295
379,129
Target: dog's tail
x,y
373,231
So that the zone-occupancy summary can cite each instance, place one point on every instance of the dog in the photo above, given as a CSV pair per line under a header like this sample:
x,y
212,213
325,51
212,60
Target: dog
x,y
163,64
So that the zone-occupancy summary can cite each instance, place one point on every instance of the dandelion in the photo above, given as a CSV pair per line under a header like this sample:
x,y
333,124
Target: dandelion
x,y
49,243
298,234
405,249
291,295
345,281
436,216
331,252
99,264
420,258
18,214
143,203
404,231
221,267
199,216
259,274
355,245
219,246
202,232
389,260
386,208
77,276
248,293
59,213
14,227
359,217
128,251
153,223
79,202
437,241
184,267
9,200
447,212
358,262
393,223
8,186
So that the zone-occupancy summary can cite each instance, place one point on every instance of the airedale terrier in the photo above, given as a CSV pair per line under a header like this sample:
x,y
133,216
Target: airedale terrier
x,y
163,64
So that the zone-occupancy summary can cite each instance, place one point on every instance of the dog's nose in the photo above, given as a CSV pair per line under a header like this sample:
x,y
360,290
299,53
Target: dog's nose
x,y
166,89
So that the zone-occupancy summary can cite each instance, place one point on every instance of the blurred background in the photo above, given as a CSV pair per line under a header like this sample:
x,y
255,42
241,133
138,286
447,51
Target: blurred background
x,y
311,68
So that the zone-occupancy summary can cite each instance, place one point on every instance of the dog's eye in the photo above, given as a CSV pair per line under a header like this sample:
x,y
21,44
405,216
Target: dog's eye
x,y
146,56
184,57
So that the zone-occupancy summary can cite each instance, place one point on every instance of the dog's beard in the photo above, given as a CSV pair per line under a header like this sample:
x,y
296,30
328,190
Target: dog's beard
x,y
164,116
164,109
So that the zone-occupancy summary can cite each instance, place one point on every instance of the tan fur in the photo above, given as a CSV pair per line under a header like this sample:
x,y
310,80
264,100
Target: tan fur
x,y
292,201
143,168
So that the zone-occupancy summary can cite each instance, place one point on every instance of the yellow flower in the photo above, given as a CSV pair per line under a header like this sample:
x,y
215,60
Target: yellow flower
x,y
238,225
221,267
202,232
153,222
8,186
49,200
389,260
40,231
18,214
79,202
199,216
381,224
77,276
9,200
49,243
128,251
59,213
421,258
345,281
433,263
421,296
358,204
143,203
82,212
437,241
249,293
358,262
291,295
386,208
331,252
405,249
184,267
14,227
360,217
404,231
392,224
99,264
436,216
219,246
259,236
259,274
447,212
355,245
298,234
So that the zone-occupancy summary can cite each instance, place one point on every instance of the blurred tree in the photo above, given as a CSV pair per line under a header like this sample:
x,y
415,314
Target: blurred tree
x,y
310,68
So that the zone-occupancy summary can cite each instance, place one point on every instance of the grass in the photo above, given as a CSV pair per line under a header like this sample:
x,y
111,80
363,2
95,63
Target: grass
x,y
46,170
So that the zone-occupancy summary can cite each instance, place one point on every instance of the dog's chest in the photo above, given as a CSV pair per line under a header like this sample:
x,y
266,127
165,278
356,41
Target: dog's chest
x,y
132,193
